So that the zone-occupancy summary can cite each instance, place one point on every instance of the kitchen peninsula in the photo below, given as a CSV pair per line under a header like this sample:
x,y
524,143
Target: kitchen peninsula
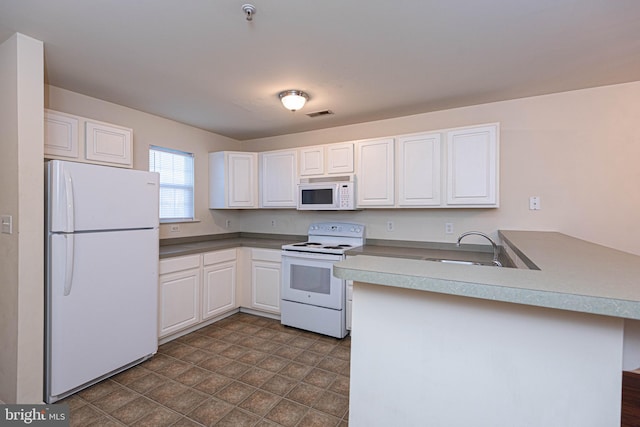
x,y
454,345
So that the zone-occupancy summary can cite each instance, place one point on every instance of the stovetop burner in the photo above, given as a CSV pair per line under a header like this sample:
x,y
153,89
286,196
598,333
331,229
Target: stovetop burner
x,y
322,245
330,238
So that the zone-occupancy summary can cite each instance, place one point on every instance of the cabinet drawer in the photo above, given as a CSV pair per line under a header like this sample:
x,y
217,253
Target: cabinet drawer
x,y
171,265
219,256
266,255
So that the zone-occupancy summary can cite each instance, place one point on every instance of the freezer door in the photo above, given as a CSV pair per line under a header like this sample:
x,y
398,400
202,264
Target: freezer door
x,y
101,304
84,197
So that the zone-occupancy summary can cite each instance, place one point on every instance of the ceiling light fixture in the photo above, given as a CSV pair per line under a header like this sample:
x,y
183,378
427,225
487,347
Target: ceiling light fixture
x,y
293,99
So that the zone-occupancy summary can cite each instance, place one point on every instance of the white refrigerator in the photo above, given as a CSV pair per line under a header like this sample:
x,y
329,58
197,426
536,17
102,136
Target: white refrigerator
x,y
101,287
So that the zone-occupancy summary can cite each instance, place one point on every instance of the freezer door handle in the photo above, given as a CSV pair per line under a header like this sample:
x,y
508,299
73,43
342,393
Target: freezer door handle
x,y
68,268
68,192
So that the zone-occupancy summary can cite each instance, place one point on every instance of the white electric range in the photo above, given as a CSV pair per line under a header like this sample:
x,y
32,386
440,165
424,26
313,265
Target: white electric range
x,y
312,298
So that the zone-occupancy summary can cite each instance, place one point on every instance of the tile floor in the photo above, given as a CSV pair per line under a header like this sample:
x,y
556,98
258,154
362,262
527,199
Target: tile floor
x,y
244,370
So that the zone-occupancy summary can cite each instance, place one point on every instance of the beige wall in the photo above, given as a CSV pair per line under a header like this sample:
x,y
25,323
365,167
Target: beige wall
x,y
21,196
153,130
577,150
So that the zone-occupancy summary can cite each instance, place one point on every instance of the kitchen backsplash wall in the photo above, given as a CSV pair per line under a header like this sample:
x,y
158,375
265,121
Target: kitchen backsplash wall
x,y
407,224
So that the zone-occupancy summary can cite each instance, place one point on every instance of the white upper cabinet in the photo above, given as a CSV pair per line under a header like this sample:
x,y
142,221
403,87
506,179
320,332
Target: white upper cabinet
x,y
60,134
104,143
331,159
233,180
311,160
278,186
418,170
340,158
375,173
108,143
472,166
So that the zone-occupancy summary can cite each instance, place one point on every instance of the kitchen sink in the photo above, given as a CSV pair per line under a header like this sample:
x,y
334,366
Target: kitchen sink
x,y
462,262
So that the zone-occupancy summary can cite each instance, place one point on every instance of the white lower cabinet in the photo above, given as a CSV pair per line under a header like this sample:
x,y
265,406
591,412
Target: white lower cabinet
x,y
218,283
179,294
195,289
265,279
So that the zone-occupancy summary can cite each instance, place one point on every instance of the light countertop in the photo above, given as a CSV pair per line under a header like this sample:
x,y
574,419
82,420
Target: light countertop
x,y
574,275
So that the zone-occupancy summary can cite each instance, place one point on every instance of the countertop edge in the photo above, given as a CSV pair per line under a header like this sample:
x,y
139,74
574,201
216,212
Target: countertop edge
x,y
545,299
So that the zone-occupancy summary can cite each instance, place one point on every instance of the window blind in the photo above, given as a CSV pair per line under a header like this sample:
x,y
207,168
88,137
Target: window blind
x,y
176,182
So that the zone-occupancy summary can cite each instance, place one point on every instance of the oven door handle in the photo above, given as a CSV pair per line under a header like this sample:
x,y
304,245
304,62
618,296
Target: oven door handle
x,y
312,255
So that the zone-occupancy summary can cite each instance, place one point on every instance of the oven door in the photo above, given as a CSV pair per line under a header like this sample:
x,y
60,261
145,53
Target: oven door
x,y
308,278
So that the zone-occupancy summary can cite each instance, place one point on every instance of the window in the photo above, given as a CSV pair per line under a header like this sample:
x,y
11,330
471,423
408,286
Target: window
x,y
176,182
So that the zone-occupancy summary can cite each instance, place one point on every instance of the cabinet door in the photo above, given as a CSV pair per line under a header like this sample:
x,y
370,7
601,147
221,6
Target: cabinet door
x,y
340,158
242,180
312,161
278,179
419,170
60,134
108,143
179,301
219,289
472,166
265,286
374,178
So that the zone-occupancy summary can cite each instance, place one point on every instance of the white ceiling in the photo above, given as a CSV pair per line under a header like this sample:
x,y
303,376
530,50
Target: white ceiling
x,y
201,63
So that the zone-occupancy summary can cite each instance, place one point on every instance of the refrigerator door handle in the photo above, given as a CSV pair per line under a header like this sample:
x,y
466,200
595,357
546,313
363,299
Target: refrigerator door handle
x,y
68,268
68,192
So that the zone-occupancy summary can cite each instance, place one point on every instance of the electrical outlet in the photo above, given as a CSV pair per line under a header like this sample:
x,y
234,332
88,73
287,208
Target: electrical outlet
x,y
174,228
273,223
390,225
534,203
448,228
227,223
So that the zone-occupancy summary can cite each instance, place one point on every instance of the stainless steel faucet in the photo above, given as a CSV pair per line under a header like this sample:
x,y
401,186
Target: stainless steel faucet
x,y
496,251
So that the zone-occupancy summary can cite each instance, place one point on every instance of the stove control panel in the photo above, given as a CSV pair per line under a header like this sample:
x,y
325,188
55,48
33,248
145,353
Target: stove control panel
x,y
341,229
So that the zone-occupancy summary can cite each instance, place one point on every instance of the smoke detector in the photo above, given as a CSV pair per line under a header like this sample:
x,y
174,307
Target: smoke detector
x,y
249,10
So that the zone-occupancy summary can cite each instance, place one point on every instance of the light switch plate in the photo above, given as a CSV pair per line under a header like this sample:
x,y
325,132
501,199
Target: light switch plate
x,y
7,224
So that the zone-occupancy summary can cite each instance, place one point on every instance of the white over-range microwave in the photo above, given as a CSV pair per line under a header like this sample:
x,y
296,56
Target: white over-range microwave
x,y
327,194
